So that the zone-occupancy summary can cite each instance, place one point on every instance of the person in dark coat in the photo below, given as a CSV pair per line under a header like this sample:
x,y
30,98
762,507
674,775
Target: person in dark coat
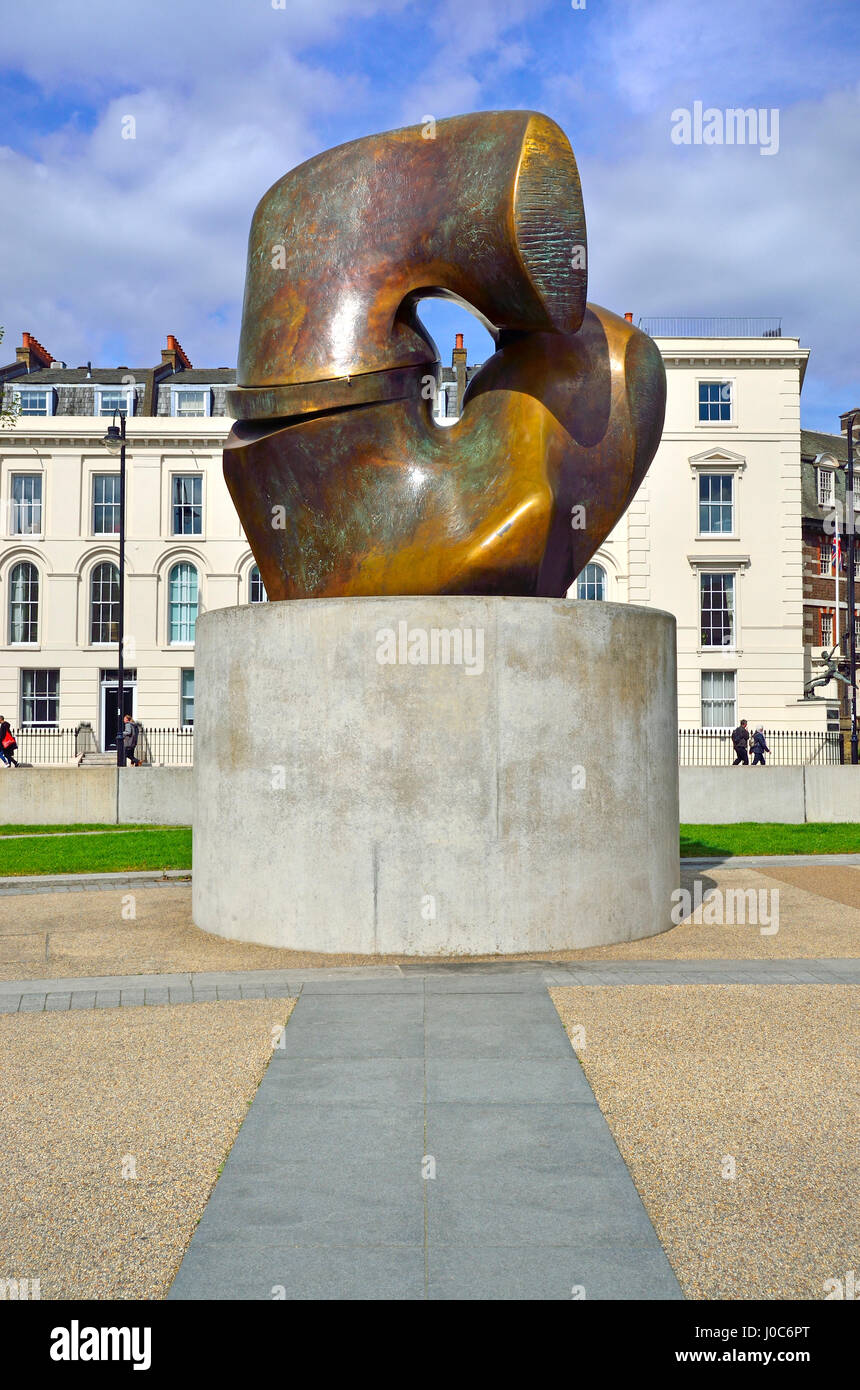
x,y
130,732
740,739
8,745
759,747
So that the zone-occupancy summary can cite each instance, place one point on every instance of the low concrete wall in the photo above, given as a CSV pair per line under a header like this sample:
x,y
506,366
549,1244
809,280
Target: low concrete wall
x,y
726,795
88,795
832,793
155,796
57,795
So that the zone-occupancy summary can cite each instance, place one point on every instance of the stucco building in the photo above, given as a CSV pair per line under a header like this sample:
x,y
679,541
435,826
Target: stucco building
x,y
718,534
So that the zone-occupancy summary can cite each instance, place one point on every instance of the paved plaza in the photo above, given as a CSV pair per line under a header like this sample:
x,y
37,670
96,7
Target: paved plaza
x,y
547,1129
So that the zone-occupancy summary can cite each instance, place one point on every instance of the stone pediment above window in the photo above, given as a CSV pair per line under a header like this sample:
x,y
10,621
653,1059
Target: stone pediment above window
x,y
722,460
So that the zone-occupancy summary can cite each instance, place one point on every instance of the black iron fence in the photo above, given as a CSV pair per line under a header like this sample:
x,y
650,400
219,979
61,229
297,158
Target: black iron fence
x,y
166,747
161,747
788,747
37,745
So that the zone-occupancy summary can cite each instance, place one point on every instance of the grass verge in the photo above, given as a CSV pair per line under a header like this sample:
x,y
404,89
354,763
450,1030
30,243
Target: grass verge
x,y
753,837
168,848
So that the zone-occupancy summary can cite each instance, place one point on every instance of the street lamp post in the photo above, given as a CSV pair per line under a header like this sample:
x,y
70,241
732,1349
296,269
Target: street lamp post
x,y
852,541
114,442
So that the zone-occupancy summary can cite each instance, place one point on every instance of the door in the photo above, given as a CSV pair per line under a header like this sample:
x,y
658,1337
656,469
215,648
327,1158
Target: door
x,y
110,722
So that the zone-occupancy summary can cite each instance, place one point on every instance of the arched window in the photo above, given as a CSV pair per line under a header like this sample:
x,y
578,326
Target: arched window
x,y
183,601
256,587
104,603
592,582
24,603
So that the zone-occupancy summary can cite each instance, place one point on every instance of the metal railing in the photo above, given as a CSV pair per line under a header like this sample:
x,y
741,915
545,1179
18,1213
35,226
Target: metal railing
x,y
166,747
788,747
46,745
673,327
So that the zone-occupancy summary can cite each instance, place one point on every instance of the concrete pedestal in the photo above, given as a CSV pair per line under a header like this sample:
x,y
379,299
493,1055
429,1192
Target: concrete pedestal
x,y
426,776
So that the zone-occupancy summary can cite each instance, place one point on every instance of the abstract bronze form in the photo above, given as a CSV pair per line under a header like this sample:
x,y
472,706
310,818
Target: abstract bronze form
x,y
342,480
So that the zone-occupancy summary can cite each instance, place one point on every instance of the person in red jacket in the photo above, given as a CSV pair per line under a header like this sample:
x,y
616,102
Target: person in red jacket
x,y
8,745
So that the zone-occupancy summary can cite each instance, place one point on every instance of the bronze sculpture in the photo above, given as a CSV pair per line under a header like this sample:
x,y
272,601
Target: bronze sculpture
x,y
342,480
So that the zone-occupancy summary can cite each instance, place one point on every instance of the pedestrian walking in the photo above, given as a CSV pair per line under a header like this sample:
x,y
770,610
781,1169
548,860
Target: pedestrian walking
x,y
130,733
759,747
741,739
8,744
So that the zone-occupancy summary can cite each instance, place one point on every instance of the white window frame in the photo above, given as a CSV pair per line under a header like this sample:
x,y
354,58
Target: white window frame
x,y
33,644
19,391
100,391
711,672
102,473
722,380
177,391
38,670
26,473
715,471
185,671
182,644
186,473
821,473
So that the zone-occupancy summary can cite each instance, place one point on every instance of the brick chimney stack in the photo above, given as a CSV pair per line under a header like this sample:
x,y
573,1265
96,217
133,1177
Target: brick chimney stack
x,y
629,318
32,354
458,362
173,355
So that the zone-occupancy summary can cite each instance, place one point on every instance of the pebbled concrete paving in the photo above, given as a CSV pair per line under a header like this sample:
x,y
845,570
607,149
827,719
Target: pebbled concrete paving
x,y
425,1138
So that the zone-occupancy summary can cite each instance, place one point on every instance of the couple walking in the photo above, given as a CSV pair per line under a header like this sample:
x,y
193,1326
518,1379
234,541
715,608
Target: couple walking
x,y
741,740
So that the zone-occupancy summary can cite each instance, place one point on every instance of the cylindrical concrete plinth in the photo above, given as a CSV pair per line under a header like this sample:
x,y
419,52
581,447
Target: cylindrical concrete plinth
x,y
435,775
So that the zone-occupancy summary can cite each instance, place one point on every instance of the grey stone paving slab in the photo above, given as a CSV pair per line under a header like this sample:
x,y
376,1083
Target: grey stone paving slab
x,y
158,996
550,1273
32,1003
9,1003
108,998
393,1153
493,1026
132,998
227,1272
58,1002
507,1081
336,1081
83,999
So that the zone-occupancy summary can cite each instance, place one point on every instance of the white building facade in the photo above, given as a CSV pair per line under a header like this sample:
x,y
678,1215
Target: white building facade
x,y
714,536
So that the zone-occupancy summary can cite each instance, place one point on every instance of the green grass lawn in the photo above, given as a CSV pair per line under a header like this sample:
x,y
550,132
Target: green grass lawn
x,y
71,829
169,847
150,848
707,841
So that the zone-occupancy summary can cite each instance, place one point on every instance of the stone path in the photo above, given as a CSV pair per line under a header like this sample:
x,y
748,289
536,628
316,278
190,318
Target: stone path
x,y
431,1137
111,991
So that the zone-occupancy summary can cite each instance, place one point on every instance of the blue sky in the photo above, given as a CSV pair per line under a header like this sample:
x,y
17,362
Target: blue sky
x,y
108,244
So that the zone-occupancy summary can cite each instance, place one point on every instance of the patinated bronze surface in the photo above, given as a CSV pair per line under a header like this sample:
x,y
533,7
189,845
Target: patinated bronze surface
x,y
343,482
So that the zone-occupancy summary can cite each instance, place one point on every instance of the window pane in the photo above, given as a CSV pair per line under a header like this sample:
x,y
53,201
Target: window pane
x,y
190,403
718,699
24,604
715,504
825,485
715,401
106,504
187,698
109,401
183,603
717,606
26,511
104,604
187,504
826,630
40,697
257,587
34,402
592,583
